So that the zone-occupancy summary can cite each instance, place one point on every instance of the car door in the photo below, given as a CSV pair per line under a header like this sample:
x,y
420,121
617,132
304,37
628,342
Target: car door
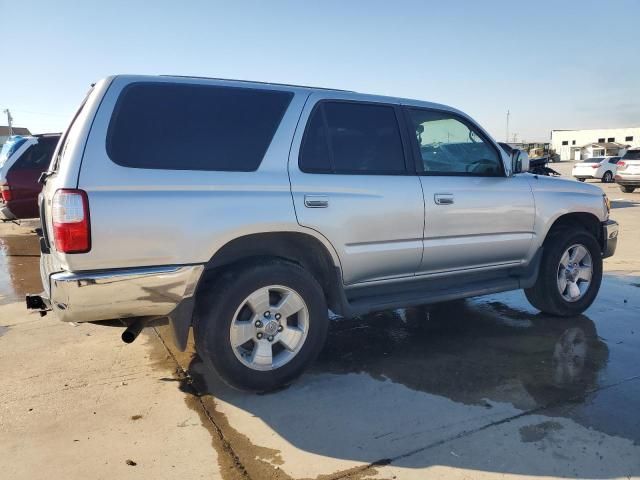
x,y
350,181
476,216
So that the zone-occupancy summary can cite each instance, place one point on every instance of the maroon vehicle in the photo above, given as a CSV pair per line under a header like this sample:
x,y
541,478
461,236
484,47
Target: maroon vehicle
x,y
19,187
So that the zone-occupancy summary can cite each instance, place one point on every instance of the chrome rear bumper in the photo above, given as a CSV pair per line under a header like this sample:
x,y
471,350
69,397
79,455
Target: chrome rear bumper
x,y
125,293
610,230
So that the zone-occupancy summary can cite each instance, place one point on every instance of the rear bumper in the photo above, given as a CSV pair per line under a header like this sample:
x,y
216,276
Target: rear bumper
x,y
584,176
610,230
117,294
627,179
6,214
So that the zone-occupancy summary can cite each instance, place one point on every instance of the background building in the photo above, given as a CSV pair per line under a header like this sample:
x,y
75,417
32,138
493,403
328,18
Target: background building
x,y
579,144
4,133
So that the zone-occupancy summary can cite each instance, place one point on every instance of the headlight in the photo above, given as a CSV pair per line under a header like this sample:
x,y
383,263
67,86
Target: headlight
x,y
607,203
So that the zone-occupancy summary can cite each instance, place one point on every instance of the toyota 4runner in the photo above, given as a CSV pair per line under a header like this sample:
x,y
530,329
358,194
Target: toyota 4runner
x,y
249,210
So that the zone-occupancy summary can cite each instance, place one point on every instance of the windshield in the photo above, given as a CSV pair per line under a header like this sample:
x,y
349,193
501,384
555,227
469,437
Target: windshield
x,y
632,155
9,147
593,160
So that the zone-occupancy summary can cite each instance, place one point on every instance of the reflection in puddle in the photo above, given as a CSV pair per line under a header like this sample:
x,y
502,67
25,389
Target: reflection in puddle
x,y
19,267
471,352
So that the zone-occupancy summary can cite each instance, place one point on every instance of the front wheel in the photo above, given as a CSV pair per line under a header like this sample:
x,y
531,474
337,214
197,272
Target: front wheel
x,y
627,188
260,326
570,274
607,177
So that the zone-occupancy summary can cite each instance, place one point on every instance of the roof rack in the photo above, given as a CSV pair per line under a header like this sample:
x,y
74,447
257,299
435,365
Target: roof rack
x,y
254,81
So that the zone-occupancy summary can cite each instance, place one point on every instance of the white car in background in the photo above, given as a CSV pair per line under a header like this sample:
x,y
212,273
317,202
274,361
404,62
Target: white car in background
x,y
628,176
603,168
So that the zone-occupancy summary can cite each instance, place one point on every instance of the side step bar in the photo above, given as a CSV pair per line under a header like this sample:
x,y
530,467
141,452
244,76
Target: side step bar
x,y
422,291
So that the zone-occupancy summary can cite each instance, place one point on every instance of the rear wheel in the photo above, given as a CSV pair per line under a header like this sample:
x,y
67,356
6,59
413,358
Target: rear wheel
x,y
570,274
260,326
607,177
627,188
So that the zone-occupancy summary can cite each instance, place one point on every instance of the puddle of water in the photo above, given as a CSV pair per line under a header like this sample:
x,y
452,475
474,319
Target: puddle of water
x,y
485,352
469,351
19,267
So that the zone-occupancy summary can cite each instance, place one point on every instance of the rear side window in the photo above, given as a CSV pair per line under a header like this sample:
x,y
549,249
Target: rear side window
x,y
348,137
194,127
37,156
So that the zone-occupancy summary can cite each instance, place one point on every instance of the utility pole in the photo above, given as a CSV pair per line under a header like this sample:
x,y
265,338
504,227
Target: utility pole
x,y
507,135
9,120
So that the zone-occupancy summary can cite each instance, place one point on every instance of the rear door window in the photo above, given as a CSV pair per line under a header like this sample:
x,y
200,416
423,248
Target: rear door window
x,y
352,138
194,127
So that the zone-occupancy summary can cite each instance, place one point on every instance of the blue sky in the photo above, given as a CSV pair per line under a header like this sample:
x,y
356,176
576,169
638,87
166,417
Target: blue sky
x,y
553,64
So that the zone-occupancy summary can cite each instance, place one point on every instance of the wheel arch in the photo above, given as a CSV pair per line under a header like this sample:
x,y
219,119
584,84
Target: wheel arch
x,y
578,220
303,249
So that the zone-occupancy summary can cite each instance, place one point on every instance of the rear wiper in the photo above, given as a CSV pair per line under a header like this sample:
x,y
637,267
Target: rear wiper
x,y
42,179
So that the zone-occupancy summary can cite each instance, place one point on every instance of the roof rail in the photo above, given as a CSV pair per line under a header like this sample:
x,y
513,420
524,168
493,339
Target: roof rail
x,y
258,82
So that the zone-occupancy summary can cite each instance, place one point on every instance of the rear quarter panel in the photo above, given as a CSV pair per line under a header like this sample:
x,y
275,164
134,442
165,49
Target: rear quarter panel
x,y
143,217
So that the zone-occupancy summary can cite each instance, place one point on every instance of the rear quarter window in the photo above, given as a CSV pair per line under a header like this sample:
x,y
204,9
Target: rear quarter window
x,y
194,127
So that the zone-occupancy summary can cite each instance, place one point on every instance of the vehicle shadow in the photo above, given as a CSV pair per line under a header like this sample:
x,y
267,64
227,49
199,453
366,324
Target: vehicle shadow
x,y
624,203
395,382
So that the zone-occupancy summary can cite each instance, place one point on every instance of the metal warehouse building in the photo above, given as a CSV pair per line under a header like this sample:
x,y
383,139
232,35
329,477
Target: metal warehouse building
x,y
579,144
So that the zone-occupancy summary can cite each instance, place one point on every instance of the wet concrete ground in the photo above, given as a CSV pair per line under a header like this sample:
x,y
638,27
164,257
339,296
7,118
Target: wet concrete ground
x,y
470,389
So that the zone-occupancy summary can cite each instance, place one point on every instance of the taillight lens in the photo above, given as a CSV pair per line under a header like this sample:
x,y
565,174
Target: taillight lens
x,y
70,218
595,165
621,164
5,191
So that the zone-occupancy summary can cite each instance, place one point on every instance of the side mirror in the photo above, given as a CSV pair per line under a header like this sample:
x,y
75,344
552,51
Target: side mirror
x,y
519,161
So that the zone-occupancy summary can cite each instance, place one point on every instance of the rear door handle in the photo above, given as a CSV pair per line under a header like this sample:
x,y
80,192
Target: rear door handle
x,y
443,198
316,201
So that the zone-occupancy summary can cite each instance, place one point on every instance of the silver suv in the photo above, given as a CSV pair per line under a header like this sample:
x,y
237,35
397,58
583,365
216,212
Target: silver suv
x,y
249,210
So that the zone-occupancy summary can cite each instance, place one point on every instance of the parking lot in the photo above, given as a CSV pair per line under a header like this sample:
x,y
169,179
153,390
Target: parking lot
x,y
476,389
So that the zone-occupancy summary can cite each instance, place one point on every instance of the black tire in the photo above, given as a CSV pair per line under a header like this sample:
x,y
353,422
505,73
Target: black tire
x,y
581,179
627,188
217,303
545,295
607,177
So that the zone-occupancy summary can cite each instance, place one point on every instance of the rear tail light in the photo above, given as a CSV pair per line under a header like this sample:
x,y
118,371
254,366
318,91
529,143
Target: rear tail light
x,y
595,165
5,191
70,218
621,164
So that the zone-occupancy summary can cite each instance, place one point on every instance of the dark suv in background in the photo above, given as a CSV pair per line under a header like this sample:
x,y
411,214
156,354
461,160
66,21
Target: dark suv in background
x,y
24,159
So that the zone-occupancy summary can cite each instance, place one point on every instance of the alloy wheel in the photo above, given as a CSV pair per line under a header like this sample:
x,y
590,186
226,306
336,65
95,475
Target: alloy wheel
x,y
269,328
574,273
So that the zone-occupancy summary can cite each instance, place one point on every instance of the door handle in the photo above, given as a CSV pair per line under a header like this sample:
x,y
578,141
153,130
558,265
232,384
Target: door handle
x,y
316,201
443,198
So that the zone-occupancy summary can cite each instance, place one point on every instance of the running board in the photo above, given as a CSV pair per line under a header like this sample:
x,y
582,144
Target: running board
x,y
362,299
427,294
